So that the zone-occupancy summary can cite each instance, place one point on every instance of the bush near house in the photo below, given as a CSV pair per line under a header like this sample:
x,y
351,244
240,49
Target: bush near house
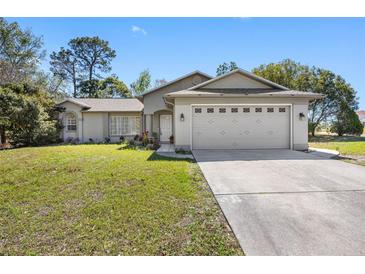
x,y
28,116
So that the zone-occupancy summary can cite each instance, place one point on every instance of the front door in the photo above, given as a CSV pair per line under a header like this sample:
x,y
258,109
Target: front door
x,y
165,127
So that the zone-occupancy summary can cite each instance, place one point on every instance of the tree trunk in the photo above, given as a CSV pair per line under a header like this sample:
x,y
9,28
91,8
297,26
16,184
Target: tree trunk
x,y
313,131
74,80
75,89
2,135
91,73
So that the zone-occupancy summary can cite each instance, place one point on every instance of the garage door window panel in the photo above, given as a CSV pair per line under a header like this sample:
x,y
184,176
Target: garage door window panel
x,y
241,130
198,110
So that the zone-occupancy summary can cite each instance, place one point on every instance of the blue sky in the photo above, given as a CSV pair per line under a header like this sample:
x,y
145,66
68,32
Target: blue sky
x,y
171,47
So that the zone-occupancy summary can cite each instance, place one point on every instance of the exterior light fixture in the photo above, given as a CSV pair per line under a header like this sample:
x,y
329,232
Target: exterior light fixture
x,y
301,116
182,118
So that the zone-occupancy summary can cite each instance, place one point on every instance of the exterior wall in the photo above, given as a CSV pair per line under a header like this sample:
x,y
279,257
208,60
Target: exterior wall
x,y
183,105
361,115
236,81
94,125
154,101
75,109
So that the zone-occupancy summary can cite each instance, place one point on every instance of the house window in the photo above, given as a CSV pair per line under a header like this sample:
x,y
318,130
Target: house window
x,y
124,125
210,110
222,110
71,121
234,110
246,109
198,110
281,109
270,109
258,109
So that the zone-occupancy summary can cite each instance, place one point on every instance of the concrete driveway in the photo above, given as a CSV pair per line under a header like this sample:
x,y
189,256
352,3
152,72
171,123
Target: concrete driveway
x,y
282,202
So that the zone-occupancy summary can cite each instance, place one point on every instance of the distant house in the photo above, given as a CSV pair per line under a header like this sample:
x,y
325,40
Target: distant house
x,y
361,115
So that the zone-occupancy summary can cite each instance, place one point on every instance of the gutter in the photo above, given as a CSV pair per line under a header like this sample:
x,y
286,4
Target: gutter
x,y
167,102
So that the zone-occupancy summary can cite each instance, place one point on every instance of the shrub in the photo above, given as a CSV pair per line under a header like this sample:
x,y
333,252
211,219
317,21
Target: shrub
x,y
145,139
149,147
132,142
29,116
75,141
107,140
136,137
182,151
347,122
122,138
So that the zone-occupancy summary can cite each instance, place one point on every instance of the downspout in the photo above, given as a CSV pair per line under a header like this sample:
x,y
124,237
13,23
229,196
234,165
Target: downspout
x,y
168,103
82,127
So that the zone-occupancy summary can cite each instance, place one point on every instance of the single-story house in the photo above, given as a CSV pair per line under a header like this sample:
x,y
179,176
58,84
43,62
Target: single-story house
x,y
237,110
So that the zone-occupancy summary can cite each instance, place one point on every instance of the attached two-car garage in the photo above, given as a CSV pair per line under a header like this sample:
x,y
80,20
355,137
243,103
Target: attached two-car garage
x,y
241,127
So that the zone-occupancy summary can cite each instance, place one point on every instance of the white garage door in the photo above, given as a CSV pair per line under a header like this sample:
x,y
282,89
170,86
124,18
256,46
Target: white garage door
x,y
241,127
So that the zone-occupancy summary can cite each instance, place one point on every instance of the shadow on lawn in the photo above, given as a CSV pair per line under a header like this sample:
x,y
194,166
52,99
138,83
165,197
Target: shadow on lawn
x,y
334,138
155,157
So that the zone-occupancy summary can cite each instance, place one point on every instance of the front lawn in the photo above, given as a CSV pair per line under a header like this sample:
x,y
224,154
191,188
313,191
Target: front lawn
x,y
100,200
346,145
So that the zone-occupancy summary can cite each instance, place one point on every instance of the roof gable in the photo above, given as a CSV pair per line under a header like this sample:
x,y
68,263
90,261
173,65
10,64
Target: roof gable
x,y
238,79
196,72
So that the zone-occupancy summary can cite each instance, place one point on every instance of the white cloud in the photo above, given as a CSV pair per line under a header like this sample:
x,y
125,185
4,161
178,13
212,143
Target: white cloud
x,y
138,29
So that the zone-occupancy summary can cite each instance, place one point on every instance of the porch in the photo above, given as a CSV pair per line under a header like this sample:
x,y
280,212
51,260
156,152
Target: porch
x,y
160,125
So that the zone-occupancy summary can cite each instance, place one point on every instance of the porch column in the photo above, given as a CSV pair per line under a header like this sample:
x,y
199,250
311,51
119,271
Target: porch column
x,y
148,125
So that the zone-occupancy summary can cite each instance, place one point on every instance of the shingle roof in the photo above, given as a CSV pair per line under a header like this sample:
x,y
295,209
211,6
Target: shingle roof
x,y
107,105
245,92
243,72
176,80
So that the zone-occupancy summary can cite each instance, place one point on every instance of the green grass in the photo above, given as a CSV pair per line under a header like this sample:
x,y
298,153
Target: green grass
x,y
100,200
346,145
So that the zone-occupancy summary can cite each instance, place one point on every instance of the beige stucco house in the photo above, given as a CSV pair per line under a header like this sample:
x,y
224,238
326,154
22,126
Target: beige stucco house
x,y
94,120
238,110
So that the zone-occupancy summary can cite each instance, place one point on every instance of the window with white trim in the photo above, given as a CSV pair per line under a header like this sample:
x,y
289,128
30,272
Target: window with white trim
x,y
124,125
71,121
